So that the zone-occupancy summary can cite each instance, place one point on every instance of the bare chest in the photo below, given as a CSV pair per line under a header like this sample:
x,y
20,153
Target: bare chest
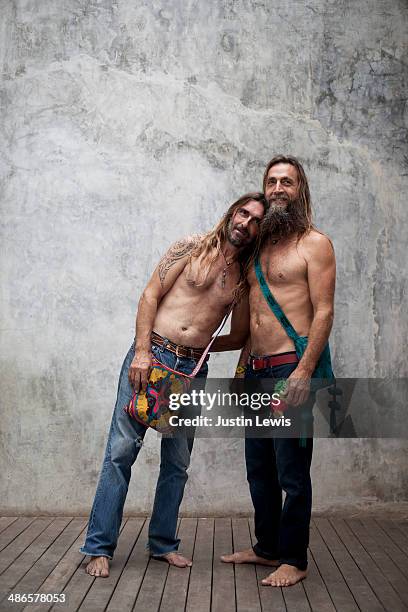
x,y
216,288
283,265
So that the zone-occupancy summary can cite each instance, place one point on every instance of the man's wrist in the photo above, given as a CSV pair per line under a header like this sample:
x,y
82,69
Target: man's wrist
x,y
143,348
304,371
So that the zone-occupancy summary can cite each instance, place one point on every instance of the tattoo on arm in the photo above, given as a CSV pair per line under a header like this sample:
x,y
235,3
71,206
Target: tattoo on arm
x,y
177,251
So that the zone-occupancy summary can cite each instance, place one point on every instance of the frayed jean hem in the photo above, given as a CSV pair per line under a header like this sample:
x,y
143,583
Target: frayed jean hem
x,y
89,554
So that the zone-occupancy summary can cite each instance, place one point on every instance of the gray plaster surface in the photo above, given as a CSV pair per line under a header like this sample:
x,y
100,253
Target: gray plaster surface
x,y
126,125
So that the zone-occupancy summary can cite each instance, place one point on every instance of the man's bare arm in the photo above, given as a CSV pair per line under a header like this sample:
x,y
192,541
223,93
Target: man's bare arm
x,y
163,278
239,328
321,274
243,359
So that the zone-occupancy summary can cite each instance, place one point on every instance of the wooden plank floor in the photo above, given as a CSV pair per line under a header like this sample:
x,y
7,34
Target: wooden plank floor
x,y
354,564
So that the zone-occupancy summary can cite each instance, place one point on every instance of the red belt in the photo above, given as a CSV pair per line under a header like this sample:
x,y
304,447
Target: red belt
x,y
259,363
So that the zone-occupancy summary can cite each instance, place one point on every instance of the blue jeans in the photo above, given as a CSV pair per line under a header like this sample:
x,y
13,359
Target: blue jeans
x,y
123,446
275,465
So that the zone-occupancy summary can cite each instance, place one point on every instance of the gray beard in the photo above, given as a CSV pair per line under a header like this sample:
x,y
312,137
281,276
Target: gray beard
x,y
282,221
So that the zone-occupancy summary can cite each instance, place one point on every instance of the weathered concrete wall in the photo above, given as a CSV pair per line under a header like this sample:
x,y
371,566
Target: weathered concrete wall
x,y
125,125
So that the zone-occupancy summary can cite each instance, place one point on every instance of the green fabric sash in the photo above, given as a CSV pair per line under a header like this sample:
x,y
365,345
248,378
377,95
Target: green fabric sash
x,y
323,369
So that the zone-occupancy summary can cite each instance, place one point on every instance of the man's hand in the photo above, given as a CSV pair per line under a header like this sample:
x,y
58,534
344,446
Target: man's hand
x,y
297,389
240,372
139,370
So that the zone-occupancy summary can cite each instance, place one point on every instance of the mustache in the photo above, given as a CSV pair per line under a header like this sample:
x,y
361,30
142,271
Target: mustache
x,y
241,229
240,241
283,197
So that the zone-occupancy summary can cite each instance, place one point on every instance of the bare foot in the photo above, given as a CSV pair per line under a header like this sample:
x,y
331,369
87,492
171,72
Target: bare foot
x,y
285,575
98,566
248,556
175,558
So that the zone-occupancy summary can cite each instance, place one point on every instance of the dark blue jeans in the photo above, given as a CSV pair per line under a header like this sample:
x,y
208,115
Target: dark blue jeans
x,y
123,446
275,465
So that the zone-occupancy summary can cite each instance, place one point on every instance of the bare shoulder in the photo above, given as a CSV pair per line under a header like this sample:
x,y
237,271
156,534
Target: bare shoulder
x,y
179,250
184,246
316,244
187,244
194,238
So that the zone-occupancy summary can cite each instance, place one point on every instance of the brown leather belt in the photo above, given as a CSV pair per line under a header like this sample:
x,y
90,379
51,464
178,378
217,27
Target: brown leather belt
x,y
259,363
178,349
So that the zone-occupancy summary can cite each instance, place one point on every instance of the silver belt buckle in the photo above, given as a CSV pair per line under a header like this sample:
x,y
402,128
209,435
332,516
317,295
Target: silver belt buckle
x,y
177,351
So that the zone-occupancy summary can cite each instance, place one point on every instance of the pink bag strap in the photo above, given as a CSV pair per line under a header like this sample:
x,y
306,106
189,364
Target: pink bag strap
x,y
205,353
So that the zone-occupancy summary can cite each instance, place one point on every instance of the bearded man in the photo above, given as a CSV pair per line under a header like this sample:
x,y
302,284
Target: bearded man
x,y
299,267
184,302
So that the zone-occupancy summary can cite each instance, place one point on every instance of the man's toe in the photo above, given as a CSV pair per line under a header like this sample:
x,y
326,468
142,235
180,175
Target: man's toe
x,y
177,560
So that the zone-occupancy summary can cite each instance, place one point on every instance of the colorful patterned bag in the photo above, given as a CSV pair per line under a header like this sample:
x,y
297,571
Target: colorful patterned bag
x,y
151,408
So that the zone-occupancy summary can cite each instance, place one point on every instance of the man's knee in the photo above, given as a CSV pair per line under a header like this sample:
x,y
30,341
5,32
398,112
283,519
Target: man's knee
x,y
175,455
298,485
124,450
178,465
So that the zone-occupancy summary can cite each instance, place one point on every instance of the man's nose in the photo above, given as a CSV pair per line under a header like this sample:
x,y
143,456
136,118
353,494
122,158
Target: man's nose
x,y
245,223
278,187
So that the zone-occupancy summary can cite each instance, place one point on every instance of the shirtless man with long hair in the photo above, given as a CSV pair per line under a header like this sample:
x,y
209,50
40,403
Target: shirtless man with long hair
x,y
182,305
298,263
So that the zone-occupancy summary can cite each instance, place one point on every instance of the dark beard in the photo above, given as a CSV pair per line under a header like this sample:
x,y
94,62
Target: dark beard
x,y
240,242
283,221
